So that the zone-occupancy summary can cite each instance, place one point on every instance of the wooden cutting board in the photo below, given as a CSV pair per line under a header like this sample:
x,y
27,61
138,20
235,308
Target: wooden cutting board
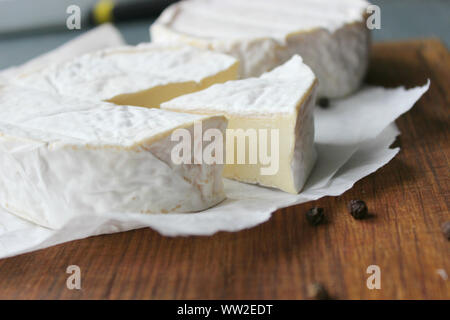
x,y
279,259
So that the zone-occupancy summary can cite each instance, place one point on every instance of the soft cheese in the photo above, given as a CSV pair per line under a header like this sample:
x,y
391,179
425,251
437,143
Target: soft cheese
x,y
63,156
330,35
281,100
145,75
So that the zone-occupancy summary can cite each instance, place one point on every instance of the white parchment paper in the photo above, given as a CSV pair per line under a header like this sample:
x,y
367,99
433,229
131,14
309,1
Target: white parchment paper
x,y
353,137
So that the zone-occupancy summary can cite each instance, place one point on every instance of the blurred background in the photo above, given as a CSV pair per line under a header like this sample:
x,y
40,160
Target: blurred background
x,y
32,27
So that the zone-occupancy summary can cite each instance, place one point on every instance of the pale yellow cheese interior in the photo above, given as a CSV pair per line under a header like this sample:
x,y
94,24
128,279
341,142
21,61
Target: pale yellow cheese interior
x,y
153,97
251,173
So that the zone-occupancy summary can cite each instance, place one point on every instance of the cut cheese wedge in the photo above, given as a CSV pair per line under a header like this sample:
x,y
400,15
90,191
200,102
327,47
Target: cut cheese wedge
x,y
63,156
272,116
146,75
330,35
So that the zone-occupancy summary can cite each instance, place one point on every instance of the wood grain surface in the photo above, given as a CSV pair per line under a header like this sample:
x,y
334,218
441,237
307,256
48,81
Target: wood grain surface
x,y
279,259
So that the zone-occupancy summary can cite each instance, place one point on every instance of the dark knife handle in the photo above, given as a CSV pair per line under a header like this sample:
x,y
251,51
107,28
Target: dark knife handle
x,y
108,11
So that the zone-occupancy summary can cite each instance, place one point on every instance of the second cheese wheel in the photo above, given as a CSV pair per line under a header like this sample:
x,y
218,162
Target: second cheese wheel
x,y
330,35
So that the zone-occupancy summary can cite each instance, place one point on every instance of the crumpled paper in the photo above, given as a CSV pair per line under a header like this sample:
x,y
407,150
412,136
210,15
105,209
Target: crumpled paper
x,y
353,137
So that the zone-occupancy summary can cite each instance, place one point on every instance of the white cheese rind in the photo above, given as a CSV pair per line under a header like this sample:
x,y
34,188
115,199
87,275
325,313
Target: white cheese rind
x,y
330,35
94,157
274,93
282,99
144,74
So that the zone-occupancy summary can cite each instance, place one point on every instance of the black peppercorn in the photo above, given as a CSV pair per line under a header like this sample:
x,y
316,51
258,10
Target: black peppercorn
x,y
358,209
323,102
315,216
317,291
446,229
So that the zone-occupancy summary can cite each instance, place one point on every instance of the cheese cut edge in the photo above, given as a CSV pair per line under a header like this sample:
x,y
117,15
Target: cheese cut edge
x,y
297,154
